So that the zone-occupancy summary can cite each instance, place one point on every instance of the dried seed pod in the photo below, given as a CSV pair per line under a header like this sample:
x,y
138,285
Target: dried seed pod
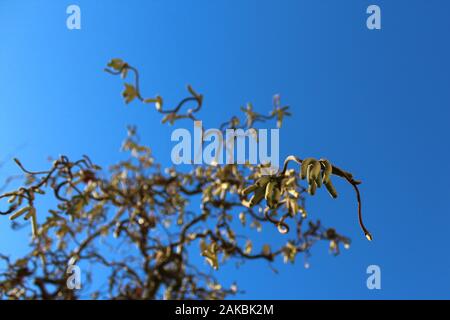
x,y
34,226
261,182
20,212
269,190
308,173
273,194
116,64
249,189
293,207
304,167
275,199
331,190
315,173
327,170
12,198
312,188
257,197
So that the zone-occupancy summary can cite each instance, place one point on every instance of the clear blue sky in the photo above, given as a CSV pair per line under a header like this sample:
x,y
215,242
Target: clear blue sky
x,y
374,102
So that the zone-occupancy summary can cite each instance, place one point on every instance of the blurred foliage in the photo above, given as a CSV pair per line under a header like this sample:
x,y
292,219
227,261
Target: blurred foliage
x,y
134,222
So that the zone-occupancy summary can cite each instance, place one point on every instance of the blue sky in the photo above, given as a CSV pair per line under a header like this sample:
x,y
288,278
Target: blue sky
x,y
373,102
